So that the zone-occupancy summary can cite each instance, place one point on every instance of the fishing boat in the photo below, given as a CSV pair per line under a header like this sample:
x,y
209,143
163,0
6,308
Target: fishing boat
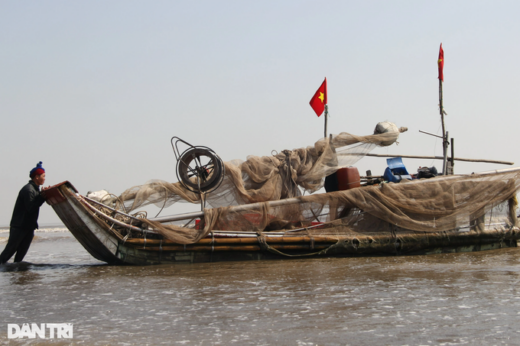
x,y
256,210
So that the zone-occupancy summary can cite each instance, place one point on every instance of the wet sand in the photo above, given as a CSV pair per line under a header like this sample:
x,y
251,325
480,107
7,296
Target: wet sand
x,y
450,299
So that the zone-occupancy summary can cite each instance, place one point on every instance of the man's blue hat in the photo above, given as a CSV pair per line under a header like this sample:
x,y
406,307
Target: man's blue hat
x,y
37,170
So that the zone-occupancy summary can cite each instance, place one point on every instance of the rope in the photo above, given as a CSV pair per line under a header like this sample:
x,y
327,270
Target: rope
x,y
265,247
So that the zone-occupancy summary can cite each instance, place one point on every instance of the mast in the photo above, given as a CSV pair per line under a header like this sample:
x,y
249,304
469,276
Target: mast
x,y
445,142
326,116
444,139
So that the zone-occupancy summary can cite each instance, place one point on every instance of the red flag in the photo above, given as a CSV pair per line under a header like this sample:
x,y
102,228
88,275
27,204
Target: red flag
x,y
319,100
441,64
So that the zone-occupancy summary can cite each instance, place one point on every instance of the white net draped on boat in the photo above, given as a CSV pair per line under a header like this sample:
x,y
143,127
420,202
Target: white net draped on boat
x,y
438,205
268,178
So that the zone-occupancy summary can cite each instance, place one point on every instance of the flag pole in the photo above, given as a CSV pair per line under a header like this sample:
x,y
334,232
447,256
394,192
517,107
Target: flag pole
x,y
444,148
326,116
445,142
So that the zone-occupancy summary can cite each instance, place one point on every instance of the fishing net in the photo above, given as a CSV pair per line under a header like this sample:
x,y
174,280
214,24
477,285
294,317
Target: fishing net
x,y
455,203
269,178
263,195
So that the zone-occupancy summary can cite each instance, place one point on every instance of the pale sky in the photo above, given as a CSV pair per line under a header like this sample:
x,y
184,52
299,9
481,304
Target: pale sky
x,y
96,89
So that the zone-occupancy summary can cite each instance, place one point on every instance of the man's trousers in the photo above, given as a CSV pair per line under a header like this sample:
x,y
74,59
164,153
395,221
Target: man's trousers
x,y
19,242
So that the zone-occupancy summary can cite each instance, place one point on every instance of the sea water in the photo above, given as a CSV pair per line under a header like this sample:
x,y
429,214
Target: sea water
x,y
448,299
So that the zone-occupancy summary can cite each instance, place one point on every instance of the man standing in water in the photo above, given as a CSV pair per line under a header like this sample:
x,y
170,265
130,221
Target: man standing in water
x,y
25,217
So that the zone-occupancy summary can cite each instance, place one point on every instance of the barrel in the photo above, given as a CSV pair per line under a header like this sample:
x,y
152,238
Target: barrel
x,y
348,178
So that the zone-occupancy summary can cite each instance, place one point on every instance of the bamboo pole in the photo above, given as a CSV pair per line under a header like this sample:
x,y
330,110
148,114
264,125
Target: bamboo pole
x,y
304,239
239,208
111,219
452,156
441,158
107,207
431,134
445,170
250,248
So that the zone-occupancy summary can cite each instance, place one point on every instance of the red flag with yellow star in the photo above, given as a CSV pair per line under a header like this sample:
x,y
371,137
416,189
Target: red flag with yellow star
x,y
441,64
319,100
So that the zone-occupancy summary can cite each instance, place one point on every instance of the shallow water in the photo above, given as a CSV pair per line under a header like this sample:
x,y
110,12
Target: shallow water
x,y
450,299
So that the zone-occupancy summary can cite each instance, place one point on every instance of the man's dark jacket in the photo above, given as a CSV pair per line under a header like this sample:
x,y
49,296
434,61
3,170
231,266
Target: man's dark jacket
x,y
27,207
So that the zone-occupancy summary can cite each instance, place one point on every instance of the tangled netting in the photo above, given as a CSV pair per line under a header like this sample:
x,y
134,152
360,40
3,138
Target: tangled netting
x,y
269,178
439,204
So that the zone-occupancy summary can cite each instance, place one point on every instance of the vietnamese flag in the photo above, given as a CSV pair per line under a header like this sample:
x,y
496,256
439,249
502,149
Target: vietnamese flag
x,y
441,64
319,100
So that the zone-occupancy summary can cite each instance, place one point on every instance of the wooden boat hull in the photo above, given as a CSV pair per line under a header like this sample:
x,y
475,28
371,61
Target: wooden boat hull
x,y
143,255
103,243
